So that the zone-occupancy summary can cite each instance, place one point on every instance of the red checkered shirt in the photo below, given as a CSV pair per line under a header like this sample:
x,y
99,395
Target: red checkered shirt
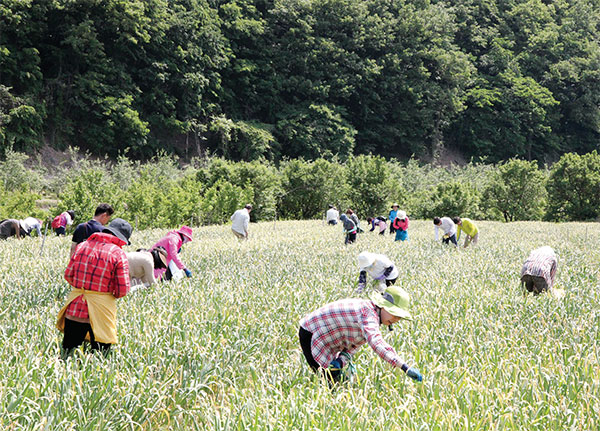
x,y
542,262
98,264
344,326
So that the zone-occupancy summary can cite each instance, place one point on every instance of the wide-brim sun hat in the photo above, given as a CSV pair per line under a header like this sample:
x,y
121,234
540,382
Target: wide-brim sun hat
x,y
395,205
401,215
120,228
366,259
186,231
394,300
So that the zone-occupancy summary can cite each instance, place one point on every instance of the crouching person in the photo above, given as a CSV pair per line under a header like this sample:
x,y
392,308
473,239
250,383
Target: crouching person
x,y
142,264
99,274
539,270
330,335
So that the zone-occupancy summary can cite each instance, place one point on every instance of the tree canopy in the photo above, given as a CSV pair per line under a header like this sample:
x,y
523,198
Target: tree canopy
x,y
254,79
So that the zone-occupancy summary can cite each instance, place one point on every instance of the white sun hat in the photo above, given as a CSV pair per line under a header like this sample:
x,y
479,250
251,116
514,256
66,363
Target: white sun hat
x,y
365,259
401,215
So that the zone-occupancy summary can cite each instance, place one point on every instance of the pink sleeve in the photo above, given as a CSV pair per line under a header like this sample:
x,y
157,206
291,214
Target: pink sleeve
x,y
172,247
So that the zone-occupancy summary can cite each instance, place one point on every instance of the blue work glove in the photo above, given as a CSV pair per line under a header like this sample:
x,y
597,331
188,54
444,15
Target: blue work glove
x,y
188,273
414,374
336,364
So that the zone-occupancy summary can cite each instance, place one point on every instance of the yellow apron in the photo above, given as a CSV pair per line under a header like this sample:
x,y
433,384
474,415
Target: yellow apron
x,y
102,308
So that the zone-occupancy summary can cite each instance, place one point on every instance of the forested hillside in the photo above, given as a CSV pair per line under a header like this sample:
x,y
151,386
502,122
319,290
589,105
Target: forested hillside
x,y
246,79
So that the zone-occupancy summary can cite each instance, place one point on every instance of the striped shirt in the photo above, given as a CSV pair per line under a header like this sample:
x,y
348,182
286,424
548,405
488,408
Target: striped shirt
x,y
344,326
542,262
98,264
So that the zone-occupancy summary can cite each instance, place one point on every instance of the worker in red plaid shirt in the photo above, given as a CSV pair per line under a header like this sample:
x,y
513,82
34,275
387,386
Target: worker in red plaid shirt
x,y
330,335
99,274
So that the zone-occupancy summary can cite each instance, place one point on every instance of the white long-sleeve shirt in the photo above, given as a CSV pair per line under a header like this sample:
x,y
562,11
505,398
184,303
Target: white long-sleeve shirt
x,y
447,226
332,214
240,220
377,268
31,223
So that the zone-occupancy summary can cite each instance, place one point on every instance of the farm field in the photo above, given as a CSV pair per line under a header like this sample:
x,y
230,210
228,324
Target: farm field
x,y
220,351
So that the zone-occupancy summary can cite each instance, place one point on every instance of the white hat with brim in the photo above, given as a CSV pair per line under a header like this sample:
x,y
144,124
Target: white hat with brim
x,y
366,259
394,300
401,215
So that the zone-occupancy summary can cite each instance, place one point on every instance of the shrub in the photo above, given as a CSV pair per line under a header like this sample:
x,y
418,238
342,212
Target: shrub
x,y
242,140
308,187
449,199
370,185
221,200
516,191
574,188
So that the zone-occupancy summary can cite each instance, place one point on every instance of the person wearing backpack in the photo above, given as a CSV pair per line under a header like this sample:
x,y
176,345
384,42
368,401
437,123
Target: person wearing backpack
x,y
84,230
61,221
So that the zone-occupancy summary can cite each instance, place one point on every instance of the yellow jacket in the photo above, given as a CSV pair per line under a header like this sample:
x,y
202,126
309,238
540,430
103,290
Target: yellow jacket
x,y
468,227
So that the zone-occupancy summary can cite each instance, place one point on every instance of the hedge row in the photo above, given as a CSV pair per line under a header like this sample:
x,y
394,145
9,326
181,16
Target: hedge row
x,y
161,193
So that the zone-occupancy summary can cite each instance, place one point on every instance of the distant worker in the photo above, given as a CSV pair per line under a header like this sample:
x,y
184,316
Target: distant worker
x,y
99,274
84,230
448,227
239,222
30,224
349,229
352,216
330,335
379,267
61,221
392,217
172,243
401,226
332,215
539,270
11,227
142,264
467,226
377,222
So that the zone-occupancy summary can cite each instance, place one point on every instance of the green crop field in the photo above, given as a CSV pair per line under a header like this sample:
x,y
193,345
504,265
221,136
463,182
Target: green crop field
x,y
219,351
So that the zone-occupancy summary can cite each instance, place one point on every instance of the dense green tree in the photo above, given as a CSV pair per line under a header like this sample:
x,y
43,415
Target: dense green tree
x,y
516,191
574,188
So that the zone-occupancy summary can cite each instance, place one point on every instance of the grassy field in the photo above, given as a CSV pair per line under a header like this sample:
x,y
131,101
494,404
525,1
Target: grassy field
x,y
219,351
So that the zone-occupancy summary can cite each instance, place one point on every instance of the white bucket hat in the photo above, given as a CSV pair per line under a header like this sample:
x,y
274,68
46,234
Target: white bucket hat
x,y
365,259
401,215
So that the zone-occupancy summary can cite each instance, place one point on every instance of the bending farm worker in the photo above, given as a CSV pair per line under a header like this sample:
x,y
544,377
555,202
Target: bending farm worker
x,y
330,335
84,230
539,270
392,217
401,226
30,224
172,243
352,216
448,227
99,274
378,266
11,227
61,221
332,215
467,226
349,229
142,264
379,222
239,222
